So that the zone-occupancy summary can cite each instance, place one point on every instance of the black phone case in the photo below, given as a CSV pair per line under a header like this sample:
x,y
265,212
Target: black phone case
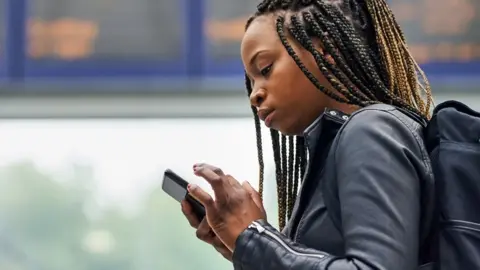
x,y
197,208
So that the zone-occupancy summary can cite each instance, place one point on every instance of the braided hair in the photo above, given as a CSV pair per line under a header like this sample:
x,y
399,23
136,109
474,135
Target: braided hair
x,y
372,64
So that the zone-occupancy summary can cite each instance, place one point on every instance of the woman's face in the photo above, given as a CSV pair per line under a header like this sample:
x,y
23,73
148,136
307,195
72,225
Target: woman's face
x,y
285,98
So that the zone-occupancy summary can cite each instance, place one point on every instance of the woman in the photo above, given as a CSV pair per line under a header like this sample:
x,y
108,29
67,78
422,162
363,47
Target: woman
x,y
356,143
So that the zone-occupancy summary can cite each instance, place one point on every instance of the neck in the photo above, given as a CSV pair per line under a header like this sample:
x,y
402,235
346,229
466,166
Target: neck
x,y
344,108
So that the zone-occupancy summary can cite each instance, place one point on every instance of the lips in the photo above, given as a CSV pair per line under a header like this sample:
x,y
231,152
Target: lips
x,y
265,115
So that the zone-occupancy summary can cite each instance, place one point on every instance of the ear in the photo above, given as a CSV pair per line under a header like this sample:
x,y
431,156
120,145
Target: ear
x,y
329,58
318,44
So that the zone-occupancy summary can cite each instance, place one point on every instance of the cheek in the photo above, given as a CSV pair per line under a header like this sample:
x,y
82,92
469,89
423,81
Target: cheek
x,y
284,79
308,99
290,85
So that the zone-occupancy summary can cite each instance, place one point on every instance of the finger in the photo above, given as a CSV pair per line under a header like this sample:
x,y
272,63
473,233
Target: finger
x,y
191,217
215,180
204,232
201,196
254,194
211,167
232,181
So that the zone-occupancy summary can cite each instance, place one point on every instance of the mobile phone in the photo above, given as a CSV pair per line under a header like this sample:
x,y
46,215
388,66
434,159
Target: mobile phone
x,y
176,187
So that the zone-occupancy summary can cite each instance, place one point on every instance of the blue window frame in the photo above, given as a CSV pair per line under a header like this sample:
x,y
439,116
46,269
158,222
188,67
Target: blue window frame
x,y
3,33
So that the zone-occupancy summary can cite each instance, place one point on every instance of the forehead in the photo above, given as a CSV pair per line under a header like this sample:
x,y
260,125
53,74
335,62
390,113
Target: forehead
x,y
260,35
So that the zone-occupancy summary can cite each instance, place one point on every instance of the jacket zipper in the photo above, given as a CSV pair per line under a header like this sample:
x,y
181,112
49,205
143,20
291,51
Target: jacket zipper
x,y
261,229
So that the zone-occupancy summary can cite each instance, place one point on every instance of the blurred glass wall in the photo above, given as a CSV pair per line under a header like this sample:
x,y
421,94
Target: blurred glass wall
x,y
80,173
86,194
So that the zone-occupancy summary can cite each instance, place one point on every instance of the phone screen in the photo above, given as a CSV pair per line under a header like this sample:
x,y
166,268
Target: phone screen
x,y
174,186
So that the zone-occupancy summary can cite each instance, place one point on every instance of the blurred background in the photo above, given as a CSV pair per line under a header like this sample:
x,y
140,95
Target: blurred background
x,y
99,97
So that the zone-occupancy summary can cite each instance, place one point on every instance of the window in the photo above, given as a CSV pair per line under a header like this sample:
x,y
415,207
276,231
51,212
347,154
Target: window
x,y
225,26
85,194
106,29
440,31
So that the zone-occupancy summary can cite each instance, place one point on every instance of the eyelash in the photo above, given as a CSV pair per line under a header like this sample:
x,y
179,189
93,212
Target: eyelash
x,y
266,70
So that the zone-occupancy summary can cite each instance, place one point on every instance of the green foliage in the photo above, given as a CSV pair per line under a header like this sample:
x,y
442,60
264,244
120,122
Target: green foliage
x,y
44,226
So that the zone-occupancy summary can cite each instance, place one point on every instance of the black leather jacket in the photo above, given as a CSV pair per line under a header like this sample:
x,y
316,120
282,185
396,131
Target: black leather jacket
x,y
372,165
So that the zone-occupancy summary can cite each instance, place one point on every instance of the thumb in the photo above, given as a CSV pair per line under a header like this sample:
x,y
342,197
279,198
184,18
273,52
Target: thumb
x,y
254,194
200,195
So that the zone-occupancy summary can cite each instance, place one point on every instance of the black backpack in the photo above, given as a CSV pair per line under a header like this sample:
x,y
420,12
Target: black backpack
x,y
452,138
450,229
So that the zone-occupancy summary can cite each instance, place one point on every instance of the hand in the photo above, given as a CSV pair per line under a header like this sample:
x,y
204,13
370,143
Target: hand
x,y
204,232
235,206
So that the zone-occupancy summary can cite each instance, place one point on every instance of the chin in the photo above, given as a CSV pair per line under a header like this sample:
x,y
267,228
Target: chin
x,y
288,128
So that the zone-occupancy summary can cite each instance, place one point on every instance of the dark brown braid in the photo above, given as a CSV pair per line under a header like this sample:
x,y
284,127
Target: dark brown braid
x,y
259,140
290,181
279,176
372,64
283,192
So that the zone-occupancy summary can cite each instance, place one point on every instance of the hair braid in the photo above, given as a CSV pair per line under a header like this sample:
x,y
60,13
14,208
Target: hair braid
x,y
290,171
339,60
284,181
357,57
361,50
345,29
298,173
279,176
391,55
389,31
372,64
291,52
352,94
414,68
258,131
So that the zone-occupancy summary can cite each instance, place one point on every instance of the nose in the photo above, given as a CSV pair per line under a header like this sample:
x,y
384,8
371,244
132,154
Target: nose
x,y
258,97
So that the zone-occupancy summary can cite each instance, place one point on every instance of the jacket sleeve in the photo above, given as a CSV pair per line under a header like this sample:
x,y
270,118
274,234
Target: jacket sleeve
x,y
378,181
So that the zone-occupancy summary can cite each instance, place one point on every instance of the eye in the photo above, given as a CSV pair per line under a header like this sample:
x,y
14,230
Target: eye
x,y
265,71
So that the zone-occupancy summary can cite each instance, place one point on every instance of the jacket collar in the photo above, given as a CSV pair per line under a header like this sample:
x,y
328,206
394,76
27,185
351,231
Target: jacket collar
x,y
318,138
330,120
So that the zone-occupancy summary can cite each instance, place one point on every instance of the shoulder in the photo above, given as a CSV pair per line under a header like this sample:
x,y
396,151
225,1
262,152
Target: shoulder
x,y
381,113
384,121
381,128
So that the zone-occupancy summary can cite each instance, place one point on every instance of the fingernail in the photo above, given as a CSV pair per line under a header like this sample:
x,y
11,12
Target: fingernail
x,y
197,169
191,187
